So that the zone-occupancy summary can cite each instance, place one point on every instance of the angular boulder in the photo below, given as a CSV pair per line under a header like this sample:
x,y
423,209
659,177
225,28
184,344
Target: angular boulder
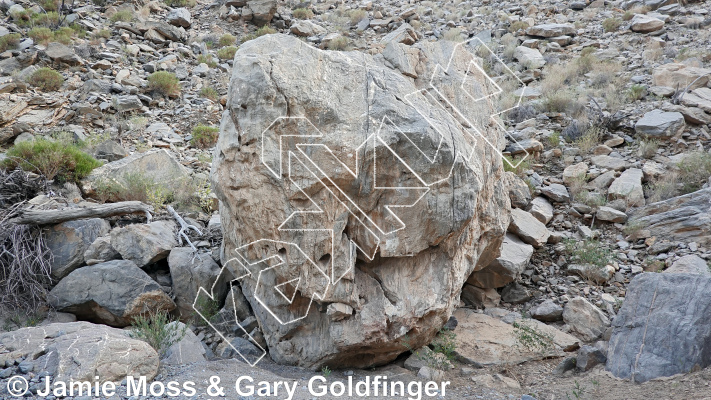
x,y
678,75
145,244
528,57
585,318
645,24
190,272
110,293
80,351
684,218
337,103
157,166
628,187
658,123
69,240
552,30
690,264
513,259
528,228
484,341
662,328
189,349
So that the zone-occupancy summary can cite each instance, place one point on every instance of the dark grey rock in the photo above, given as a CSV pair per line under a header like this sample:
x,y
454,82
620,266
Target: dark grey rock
x,y
662,328
110,293
547,311
568,364
588,357
245,348
69,240
515,293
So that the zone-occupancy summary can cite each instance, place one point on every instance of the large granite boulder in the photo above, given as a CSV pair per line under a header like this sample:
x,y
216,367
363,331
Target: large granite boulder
x,y
315,149
80,351
110,293
663,327
191,271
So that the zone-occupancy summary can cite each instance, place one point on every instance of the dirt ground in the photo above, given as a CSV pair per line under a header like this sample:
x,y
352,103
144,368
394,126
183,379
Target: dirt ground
x,y
535,379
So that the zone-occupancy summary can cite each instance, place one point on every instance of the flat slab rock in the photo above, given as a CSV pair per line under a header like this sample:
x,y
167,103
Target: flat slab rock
x,y
80,351
487,341
662,328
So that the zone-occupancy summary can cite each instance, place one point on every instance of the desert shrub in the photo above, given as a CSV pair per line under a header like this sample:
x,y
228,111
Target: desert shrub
x,y
530,338
209,93
48,19
611,24
157,330
694,171
517,26
662,188
356,16
226,40
590,139
339,43
554,139
589,251
46,79
49,5
181,3
636,92
204,136
104,33
648,147
227,53
124,15
265,30
165,83
206,307
52,159
517,165
303,13
453,35
64,35
207,59
9,41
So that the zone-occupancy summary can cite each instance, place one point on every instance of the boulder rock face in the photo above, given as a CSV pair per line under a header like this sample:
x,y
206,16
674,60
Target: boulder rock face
x,y
144,243
69,240
80,351
682,218
110,293
585,318
312,146
190,272
662,328
514,258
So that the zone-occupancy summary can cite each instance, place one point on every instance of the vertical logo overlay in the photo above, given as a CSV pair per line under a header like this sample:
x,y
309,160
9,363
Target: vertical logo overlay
x,y
302,161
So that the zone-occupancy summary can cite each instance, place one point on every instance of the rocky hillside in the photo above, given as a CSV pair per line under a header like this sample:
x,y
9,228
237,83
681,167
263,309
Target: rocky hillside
x,y
155,155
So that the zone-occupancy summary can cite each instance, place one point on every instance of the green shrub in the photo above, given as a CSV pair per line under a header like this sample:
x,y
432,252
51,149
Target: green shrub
x,y
303,13
531,338
265,30
517,26
356,16
209,93
227,53
181,3
49,19
206,307
64,35
636,92
554,139
611,24
41,34
207,59
124,15
52,159
517,165
49,5
46,79
204,136
104,33
157,330
9,41
589,251
165,83
227,40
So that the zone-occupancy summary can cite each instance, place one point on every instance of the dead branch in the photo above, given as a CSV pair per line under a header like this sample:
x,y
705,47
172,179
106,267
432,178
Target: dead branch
x,y
46,217
184,226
